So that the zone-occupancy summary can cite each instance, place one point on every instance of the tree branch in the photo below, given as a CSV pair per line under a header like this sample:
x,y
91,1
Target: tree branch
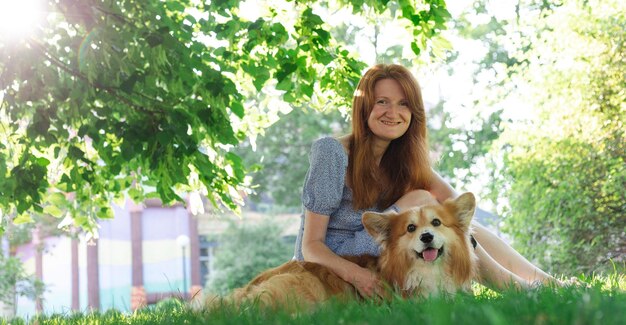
x,y
113,91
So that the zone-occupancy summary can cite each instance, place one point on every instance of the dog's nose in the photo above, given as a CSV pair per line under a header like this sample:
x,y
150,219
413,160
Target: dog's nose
x,y
426,237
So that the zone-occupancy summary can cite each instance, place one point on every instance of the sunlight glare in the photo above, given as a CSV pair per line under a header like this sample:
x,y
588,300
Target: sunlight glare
x,y
18,18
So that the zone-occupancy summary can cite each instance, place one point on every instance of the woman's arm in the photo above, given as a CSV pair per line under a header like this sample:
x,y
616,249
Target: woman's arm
x,y
314,249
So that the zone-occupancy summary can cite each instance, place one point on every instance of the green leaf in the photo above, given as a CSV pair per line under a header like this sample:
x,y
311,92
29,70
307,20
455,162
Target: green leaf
x,y
23,218
307,90
261,75
285,84
128,85
416,19
154,39
53,211
75,153
164,137
237,164
237,108
43,162
135,194
105,213
285,70
324,57
415,48
324,36
57,199
175,6
311,20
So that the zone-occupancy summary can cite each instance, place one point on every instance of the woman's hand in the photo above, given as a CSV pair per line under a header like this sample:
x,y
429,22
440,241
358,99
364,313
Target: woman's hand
x,y
366,282
315,250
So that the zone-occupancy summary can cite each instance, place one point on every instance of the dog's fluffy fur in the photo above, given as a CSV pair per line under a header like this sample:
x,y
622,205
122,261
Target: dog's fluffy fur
x,y
424,251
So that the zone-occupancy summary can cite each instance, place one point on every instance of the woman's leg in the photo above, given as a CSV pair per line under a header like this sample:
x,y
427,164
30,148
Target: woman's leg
x,y
508,257
494,275
415,198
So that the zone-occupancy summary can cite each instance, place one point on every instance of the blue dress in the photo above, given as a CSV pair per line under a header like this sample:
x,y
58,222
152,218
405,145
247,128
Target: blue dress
x,y
325,192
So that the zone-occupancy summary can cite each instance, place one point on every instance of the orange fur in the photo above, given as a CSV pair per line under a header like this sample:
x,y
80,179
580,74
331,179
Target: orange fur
x,y
298,284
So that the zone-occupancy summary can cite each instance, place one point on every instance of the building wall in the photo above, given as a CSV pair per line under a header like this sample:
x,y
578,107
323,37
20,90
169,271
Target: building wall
x,y
57,275
162,262
162,257
114,256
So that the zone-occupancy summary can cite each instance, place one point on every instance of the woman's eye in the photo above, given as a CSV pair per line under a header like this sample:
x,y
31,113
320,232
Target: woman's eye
x,y
381,101
436,222
404,104
411,228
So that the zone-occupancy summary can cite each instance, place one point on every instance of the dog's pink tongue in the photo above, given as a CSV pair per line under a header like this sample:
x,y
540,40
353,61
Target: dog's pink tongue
x,y
430,254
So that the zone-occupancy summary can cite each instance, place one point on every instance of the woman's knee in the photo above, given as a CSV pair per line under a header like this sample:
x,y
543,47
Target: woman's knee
x,y
416,198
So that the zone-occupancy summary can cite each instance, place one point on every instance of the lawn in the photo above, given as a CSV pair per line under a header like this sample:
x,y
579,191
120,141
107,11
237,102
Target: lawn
x,y
602,302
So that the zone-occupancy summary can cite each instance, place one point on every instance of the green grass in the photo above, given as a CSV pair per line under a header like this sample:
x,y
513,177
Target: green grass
x,y
603,302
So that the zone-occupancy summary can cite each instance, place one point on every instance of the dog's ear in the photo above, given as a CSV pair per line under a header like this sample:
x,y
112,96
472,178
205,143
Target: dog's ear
x,y
463,208
377,225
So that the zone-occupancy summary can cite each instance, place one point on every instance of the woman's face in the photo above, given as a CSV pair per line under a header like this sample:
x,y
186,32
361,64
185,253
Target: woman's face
x,y
391,116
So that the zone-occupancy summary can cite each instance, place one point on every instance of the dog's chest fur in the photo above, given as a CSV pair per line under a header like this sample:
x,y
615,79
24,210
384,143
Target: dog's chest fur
x,y
429,280
421,279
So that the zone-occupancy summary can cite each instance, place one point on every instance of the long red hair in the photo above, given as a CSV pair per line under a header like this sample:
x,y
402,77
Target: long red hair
x,y
405,164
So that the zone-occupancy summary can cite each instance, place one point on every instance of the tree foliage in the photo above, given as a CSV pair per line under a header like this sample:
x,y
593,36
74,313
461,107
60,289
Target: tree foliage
x,y
460,148
146,98
282,154
566,162
461,132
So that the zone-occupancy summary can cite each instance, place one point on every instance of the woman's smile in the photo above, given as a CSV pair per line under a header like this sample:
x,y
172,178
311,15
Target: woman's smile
x,y
391,123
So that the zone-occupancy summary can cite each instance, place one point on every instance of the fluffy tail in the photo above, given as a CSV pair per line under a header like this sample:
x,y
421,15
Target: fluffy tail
x,y
205,301
283,291
255,296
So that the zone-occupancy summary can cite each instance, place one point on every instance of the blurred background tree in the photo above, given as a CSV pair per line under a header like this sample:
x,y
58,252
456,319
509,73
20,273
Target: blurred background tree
x,y
245,251
281,155
562,162
14,281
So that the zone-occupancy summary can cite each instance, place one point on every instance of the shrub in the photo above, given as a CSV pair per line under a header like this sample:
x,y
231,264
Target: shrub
x,y
244,252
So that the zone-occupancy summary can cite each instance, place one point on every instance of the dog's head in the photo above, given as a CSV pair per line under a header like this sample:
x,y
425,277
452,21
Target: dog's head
x,y
427,235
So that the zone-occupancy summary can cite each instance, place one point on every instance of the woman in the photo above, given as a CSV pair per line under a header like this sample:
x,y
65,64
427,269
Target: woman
x,y
383,164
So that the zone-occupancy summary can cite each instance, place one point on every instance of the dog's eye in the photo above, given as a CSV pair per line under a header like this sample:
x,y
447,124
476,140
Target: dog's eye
x,y
436,222
411,228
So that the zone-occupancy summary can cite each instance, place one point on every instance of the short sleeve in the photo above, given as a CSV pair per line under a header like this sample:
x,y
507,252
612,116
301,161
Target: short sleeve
x,y
324,182
393,208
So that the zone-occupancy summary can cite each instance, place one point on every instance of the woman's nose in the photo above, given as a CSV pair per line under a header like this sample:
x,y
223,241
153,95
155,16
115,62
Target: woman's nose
x,y
393,109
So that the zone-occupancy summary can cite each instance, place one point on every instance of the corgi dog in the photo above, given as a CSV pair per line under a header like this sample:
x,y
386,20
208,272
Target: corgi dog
x,y
425,251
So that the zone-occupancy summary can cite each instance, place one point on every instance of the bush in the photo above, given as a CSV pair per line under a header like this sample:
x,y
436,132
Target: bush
x,y
244,252
567,203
